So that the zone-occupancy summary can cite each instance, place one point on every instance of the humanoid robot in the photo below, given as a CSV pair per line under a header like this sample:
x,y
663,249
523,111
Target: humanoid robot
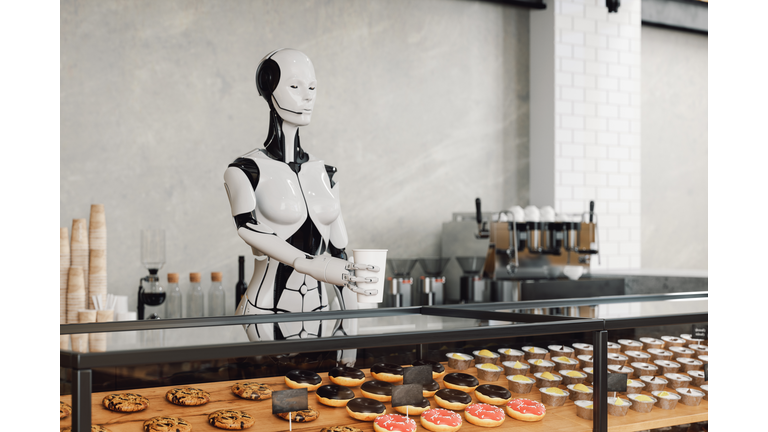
x,y
286,207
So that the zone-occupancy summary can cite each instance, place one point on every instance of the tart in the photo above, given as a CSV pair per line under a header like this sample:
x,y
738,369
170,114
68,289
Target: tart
x,y
509,354
649,342
626,370
700,349
553,396
667,366
634,386
547,379
690,339
637,356
681,351
697,377
677,380
585,360
689,364
689,396
485,415
666,400
618,406
653,383
613,347
617,359
541,365
583,349
486,356
440,420
572,376
660,354
520,384
565,363
642,369
516,368
670,341
459,361
630,345
705,389
704,358
561,351
590,375
488,371
531,352
642,403
579,392
525,409
584,409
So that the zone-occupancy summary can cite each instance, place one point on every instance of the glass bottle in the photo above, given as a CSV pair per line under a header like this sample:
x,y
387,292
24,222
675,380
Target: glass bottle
x,y
195,297
173,301
216,297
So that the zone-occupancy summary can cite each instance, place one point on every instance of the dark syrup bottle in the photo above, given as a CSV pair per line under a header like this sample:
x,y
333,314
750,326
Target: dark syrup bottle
x,y
241,285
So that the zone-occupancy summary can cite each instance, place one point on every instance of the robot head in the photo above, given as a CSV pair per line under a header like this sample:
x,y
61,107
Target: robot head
x,y
286,79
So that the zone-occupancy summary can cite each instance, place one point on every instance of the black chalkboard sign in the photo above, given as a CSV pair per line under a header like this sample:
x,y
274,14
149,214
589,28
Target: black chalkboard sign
x,y
617,382
699,331
289,400
417,375
706,372
407,394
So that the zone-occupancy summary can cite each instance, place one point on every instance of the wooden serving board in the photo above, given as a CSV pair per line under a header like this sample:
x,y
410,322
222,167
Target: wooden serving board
x,y
557,418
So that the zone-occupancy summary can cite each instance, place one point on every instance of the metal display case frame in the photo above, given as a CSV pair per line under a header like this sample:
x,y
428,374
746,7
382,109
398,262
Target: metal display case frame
x,y
523,325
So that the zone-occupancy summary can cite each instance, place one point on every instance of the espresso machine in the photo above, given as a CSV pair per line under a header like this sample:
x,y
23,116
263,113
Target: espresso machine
x,y
399,288
151,293
472,286
432,284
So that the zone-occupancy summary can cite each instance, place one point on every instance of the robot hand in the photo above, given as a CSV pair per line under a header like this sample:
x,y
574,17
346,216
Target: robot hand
x,y
336,271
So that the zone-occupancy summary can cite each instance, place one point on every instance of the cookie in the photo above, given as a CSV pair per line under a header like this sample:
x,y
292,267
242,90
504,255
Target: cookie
x,y
167,424
125,402
340,429
303,416
187,396
252,390
94,428
64,409
231,419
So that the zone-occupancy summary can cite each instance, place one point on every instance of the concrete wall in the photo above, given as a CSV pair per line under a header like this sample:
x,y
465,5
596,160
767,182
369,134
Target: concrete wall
x,y
422,106
674,149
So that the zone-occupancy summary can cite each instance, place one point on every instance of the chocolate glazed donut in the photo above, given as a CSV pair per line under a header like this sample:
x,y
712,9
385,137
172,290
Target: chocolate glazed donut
x,y
378,390
388,372
492,394
365,409
438,369
299,378
460,381
346,376
452,399
428,390
334,395
414,409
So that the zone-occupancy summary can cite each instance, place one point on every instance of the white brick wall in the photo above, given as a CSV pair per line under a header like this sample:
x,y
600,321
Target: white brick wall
x,y
597,121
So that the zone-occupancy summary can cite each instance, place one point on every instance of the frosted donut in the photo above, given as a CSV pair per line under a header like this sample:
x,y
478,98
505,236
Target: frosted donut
x,y
452,399
300,378
438,370
460,381
346,376
493,394
387,372
484,415
394,423
525,409
440,420
365,409
334,395
379,390
414,409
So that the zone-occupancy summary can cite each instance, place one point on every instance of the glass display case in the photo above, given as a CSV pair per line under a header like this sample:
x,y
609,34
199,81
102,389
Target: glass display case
x,y
150,357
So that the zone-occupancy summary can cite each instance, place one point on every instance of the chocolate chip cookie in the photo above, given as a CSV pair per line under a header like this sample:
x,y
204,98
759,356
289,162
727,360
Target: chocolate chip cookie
x,y
187,396
125,402
252,390
64,409
167,424
303,416
231,419
94,428
340,429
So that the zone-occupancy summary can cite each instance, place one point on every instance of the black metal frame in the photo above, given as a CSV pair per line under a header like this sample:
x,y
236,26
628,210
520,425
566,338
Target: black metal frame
x,y
534,325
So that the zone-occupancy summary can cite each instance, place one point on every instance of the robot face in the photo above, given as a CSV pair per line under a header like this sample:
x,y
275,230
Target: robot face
x,y
294,96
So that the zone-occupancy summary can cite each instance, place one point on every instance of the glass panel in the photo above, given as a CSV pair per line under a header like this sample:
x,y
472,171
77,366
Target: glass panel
x,y
623,310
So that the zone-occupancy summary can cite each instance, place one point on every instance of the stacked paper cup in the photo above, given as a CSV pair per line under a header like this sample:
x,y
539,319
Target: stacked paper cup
x,y
97,245
81,341
75,293
64,276
79,255
98,341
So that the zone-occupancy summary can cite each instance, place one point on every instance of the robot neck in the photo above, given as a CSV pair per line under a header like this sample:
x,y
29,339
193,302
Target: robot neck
x,y
280,133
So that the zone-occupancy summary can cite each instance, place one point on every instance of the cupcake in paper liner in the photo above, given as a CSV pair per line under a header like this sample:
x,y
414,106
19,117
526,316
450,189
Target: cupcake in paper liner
x,y
584,409
689,364
666,400
705,389
634,386
520,384
583,349
572,376
681,351
630,345
653,383
660,354
613,347
531,352
700,349
649,342
580,392
637,356
697,377
486,356
618,407
561,351
670,341
626,370
459,361
617,359
585,360
488,371
541,365
677,380
509,354
547,379
590,375
689,396
553,396
642,369
565,363
642,403
516,368
667,366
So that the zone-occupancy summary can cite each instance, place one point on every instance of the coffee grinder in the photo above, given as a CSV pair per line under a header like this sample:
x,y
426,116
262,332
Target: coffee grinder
x,y
153,258
432,285
473,286
399,289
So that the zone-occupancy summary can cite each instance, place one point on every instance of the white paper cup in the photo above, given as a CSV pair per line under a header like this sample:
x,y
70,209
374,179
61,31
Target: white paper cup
x,y
377,257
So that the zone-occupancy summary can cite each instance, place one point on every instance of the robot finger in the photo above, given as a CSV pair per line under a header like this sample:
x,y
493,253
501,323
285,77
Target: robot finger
x,y
352,278
364,291
369,267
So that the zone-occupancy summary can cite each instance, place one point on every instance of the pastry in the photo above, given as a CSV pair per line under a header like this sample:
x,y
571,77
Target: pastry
x,y
387,372
492,394
531,352
573,376
630,345
653,383
613,347
584,409
561,351
428,390
488,371
547,379
637,357
438,370
346,376
334,395
697,377
579,392
414,409
585,360
460,381
660,354
540,365
667,366
252,390
379,390
641,403
365,409
393,422
459,361
302,416
642,369
509,354
690,339
634,386
452,399
700,349
705,389
689,396
590,375
689,364
520,384
618,406
167,424
231,419
670,341
300,378
553,396
64,409
525,409
583,349
665,399
515,368
125,402
485,415
676,380
626,370
704,358
94,428
187,396
340,429
649,342
617,359
486,356
440,420
681,351
565,363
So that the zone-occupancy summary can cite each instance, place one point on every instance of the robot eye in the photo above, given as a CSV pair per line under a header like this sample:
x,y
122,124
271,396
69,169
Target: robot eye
x,y
294,86
312,88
